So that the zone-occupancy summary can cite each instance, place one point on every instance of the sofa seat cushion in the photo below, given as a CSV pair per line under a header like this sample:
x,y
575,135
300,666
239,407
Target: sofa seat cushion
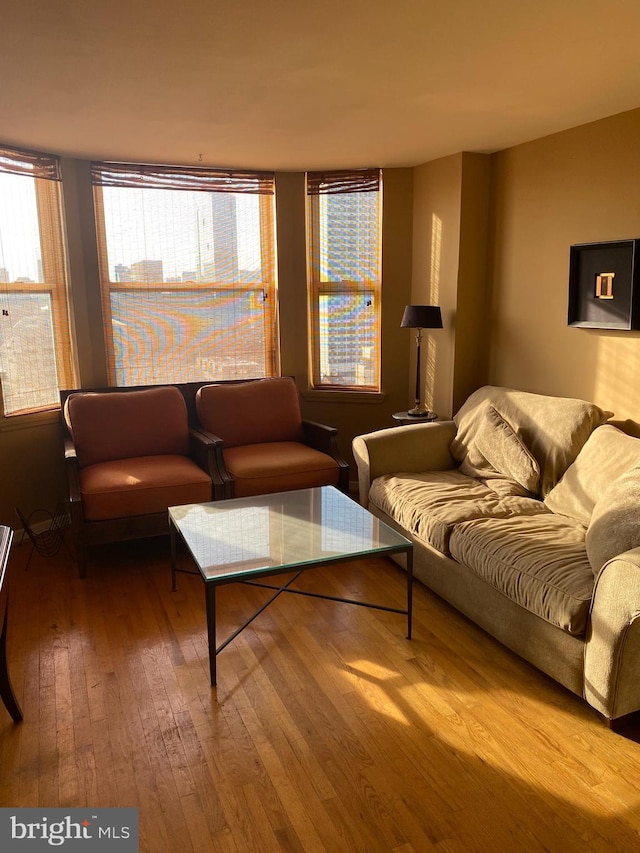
x,y
141,486
279,466
540,562
430,504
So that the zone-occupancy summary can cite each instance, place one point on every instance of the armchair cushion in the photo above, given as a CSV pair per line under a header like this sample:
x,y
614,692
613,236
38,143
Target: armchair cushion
x,y
253,412
122,425
141,486
279,466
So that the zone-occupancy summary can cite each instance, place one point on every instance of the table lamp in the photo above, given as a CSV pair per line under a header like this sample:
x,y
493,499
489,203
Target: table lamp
x,y
420,317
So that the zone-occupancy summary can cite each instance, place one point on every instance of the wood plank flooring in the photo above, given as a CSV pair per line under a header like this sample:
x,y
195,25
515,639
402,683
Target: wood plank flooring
x,y
328,731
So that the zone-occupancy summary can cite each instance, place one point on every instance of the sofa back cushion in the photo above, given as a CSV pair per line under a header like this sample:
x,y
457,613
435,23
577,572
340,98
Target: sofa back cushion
x,y
607,454
124,424
552,429
502,447
251,412
615,520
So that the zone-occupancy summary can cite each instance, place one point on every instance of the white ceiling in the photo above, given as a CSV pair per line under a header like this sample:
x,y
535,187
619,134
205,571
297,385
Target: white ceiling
x,y
309,84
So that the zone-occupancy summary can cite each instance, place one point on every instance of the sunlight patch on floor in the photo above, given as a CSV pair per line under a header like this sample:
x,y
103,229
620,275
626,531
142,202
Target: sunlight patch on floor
x,y
377,688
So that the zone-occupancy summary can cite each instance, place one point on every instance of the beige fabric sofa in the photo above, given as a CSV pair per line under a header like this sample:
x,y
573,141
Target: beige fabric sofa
x,y
523,511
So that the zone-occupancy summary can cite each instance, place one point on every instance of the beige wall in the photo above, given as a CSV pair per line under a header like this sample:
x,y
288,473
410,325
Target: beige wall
x,y
579,186
436,243
84,274
450,227
472,306
32,469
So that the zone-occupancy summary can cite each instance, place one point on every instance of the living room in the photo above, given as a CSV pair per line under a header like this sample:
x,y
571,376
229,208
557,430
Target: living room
x,y
483,231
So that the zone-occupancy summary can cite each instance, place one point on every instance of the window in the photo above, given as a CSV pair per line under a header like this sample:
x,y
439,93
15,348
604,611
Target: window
x,y
187,270
35,345
344,230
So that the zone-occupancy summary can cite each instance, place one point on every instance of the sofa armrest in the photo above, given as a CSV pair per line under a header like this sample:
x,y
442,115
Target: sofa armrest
x,y
416,447
612,651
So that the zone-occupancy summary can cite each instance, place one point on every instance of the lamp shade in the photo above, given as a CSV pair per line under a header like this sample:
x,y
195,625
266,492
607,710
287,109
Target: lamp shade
x,y
422,317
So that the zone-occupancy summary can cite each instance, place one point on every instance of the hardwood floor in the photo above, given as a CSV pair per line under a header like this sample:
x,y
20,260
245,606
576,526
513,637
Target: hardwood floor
x,y
328,731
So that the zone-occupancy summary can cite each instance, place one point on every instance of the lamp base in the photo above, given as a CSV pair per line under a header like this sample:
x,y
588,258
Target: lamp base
x,y
419,412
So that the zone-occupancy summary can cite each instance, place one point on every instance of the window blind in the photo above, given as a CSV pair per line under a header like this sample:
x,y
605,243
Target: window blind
x,y
363,180
187,269
35,340
34,164
181,178
344,262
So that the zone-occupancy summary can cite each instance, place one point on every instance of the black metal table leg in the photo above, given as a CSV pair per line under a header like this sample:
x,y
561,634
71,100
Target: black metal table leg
x,y
210,593
172,535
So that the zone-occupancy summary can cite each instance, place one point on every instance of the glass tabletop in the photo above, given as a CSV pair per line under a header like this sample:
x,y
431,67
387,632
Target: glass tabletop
x,y
245,537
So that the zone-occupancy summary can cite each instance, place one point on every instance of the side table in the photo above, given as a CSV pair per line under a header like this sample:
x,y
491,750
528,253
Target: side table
x,y
405,418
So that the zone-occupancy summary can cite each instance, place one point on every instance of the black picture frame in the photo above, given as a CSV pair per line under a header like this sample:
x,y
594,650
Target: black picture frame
x,y
604,285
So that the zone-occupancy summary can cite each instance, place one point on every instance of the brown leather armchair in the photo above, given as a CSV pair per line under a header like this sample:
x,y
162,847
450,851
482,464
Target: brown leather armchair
x,y
266,445
130,454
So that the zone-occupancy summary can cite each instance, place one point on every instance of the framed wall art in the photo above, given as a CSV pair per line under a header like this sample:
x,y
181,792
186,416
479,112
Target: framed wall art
x,y
604,285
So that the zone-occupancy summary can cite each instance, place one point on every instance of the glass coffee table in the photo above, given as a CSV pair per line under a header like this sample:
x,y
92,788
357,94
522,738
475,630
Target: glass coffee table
x,y
245,540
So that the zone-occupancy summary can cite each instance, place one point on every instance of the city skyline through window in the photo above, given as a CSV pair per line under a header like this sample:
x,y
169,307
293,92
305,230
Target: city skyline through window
x,y
187,274
179,229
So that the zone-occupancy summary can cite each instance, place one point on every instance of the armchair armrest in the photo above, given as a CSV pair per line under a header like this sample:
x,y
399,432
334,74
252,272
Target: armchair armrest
x,y
320,436
612,651
325,439
73,472
76,511
206,450
419,447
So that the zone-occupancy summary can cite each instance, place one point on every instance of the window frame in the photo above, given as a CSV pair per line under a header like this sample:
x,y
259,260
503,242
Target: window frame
x,y
333,182
45,171
262,184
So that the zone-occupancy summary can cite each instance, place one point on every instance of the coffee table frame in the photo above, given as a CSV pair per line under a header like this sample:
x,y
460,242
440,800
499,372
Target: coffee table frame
x,y
249,576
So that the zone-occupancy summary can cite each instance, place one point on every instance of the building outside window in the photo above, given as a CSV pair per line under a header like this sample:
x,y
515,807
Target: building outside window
x,y
35,342
187,268
344,249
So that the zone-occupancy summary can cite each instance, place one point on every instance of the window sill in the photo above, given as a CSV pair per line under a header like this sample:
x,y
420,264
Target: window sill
x,y
330,396
34,419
